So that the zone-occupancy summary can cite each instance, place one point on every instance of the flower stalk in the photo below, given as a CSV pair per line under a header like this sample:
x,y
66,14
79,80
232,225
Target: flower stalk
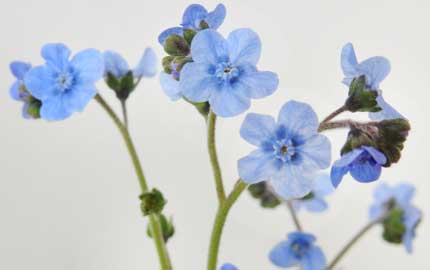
x,y
294,216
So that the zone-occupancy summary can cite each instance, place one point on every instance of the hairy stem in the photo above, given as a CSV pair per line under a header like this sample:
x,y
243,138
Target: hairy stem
x,y
211,123
294,216
219,223
346,124
334,114
154,222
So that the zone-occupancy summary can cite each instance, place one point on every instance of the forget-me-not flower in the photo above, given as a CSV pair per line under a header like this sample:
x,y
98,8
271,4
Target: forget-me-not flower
x,y
116,65
290,151
364,164
228,266
375,69
224,72
397,197
298,250
18,90
64,85
315,200
196,18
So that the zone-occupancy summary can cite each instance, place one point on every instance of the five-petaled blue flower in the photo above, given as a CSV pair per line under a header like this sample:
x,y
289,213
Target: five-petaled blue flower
x,y
315,200
64,86
118,67
224,72
375,69
17,89
401,195
298,250
364,164
290,151
194,16
228,266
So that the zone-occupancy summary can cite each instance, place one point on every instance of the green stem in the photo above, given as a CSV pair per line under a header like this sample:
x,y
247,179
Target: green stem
x,y
124,112
294,216
351,242
219,223
334,114
211,122
153,218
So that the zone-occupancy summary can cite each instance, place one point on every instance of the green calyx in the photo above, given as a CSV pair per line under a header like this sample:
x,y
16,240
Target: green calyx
x,y
394,229
392,135
356,139
309,196
122,86
261,192
361,98
202,107
166,227
175,45
152,202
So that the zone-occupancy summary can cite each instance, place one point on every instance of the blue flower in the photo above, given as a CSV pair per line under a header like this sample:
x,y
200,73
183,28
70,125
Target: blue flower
x,y
193,18
170,84
18,90
224,72
375,69
315,200
64,86
290,151
401,196
228,266
364,164
299,250
118,67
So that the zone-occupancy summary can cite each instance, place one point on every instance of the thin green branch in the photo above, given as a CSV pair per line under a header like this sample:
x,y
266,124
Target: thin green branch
x,y
294,216
334,114
124,112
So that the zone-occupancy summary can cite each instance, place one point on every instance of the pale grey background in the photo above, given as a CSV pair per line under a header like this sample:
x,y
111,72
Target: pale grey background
x,y
68,194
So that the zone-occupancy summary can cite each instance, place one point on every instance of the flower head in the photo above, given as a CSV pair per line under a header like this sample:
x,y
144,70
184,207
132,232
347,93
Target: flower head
x,y
228,266
298,250
363,163
396,200
196,18
224,72
64,86
19,92
315,200
290,151
375,70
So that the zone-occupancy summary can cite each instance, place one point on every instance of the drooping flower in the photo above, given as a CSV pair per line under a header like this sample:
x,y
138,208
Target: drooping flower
x,y
196,18
64,86
121,78
290,151
363,163
298,250
224,72
375,70
228,266
18,91
403,218
315,200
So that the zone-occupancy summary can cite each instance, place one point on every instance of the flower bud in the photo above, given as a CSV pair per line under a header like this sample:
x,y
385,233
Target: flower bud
x,y
152,202
262,192
33,108
360,98
167,228
394,227
122,86
176,45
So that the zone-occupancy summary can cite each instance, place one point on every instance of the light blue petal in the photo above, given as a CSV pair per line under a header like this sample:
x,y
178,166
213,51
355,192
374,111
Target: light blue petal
x,y
281,255
209,46
349,62
40,82
193,15
387,112
365,172
228,266
315,153
196,82
170,86
115,64
412,217
348,158
376,69
228,103
299,118
19,69
314,260
257,84
24,111
257,166
168,32
56,54
315,205
14,91
244,47
322,185
147,66
376,155
337,173
54,109
215,18
79,97
291,182
89,66
257,128
404,193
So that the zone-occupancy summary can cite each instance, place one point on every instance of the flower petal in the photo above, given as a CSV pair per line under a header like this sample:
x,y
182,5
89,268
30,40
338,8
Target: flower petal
x,y
90,66
376,69
168,32
115,64
388,112
257,84
14,91
315,153
56,54
209,46
196,82
170,86
19,69
228,266
348,158
54,109
193,16
79,97
40,83
349,61
147,66
365,172
314,260
216,17
281,255
257,128
257,166
227,103
376,155
291,182
299,118
337,173
404,193
244,47
315,205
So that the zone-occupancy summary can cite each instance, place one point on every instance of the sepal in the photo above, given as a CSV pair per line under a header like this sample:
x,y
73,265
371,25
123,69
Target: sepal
x,y
361,98
167,228
261,192
152,202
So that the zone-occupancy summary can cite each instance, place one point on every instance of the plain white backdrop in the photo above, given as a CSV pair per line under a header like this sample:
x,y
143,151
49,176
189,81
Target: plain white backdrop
x,y
68,193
